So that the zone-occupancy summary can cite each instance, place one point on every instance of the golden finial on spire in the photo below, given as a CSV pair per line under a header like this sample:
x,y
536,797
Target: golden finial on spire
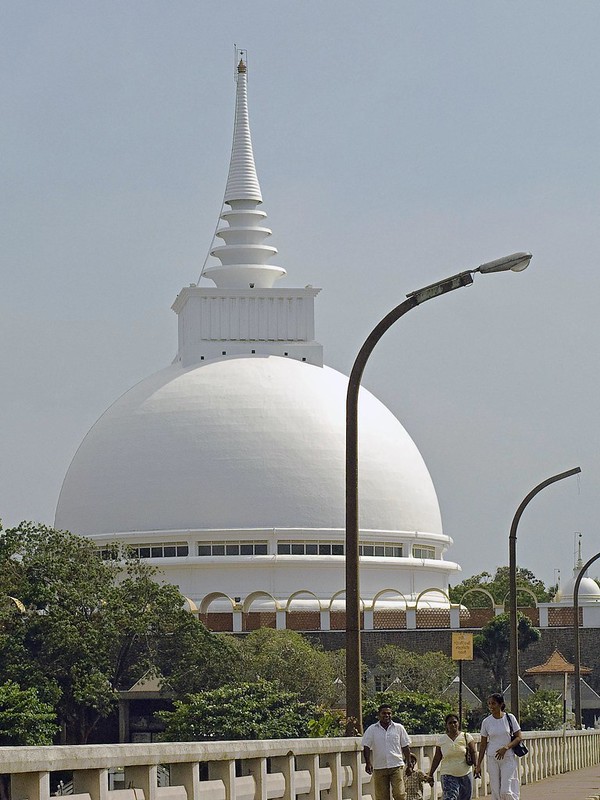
x,y
241,66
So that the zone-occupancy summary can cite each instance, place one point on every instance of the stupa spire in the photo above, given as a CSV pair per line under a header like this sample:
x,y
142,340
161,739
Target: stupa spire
x,y
243,257
579,560
242,181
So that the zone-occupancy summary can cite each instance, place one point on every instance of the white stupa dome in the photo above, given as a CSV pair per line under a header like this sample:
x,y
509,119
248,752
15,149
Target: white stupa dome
x,y
243,442
589,591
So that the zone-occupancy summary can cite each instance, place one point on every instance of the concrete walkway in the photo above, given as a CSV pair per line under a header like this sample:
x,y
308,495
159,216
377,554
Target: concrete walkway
x,y
579,785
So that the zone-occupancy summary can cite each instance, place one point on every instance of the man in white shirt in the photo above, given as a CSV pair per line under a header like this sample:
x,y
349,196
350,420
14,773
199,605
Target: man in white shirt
x,y
387,749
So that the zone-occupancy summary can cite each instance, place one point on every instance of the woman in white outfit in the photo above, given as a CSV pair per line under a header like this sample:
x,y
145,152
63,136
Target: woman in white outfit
x,y
495,737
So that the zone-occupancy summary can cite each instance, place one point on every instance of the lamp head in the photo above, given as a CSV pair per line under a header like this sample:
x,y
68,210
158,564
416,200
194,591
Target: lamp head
x,y
516,262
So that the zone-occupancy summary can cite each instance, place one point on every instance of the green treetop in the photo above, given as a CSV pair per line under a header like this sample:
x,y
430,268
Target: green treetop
x,y
498,587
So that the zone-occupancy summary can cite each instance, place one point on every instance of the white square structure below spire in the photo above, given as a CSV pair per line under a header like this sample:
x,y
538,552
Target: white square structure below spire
x,y
214,323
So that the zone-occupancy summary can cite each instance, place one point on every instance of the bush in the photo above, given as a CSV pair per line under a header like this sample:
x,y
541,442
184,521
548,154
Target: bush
x,y
542,711
475,717
419,713
434,670
259,710
289,659
24,718
326,722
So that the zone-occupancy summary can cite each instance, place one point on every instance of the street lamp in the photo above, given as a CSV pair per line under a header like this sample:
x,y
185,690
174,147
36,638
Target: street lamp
x,y
515,262
582,572
512,576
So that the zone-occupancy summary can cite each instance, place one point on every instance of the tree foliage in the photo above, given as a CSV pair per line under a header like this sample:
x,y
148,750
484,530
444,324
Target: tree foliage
x,y
288,659
419,713
327,722
492,644
498,587
24,718
93,626
416,671
542,711
259,710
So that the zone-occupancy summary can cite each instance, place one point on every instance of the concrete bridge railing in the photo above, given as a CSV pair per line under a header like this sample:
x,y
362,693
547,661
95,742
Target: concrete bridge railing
x,y
283,769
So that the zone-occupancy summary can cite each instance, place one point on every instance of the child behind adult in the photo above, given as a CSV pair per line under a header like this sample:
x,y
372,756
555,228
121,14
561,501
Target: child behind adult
x,y
414,782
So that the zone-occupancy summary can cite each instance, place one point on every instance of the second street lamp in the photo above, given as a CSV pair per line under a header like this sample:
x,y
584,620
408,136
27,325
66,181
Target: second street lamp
x,y
512,576
582,571
515,262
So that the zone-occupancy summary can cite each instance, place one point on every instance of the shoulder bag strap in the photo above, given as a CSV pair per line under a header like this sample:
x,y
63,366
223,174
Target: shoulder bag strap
x,y
510,727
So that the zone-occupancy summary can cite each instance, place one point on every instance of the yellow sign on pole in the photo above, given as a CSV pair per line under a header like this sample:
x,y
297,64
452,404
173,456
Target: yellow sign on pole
x,y
462,646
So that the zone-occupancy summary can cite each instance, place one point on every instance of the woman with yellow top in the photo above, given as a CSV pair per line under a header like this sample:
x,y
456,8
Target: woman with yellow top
x,y
451,751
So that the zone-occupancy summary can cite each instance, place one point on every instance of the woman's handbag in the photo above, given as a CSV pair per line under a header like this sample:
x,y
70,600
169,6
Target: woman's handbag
x,y
519,749
468,753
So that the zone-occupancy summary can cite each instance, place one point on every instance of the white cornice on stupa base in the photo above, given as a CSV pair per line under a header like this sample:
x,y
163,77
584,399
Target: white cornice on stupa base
x,y
367,535
219,322
188,292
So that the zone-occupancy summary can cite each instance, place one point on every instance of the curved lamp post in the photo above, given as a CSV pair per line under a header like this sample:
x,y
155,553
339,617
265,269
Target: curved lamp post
x,y
515,262
577,645
512,575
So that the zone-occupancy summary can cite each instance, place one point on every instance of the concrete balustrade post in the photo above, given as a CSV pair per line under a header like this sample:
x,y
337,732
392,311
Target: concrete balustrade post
x,y
257,768
287,767
187,774
30,786
334,762
91,781
224,771
354,790
310,763
144,777
485,781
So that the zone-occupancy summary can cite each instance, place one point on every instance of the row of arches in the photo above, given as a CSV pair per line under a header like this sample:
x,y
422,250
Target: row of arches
x,y
390,609
336,601
521,590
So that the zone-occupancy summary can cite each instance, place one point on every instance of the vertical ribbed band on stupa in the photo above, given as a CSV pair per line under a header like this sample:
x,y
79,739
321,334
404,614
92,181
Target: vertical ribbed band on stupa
x,y
242,181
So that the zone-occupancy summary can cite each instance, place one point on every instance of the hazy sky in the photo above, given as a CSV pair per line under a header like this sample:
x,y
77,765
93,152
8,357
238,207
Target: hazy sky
x,y
396,143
